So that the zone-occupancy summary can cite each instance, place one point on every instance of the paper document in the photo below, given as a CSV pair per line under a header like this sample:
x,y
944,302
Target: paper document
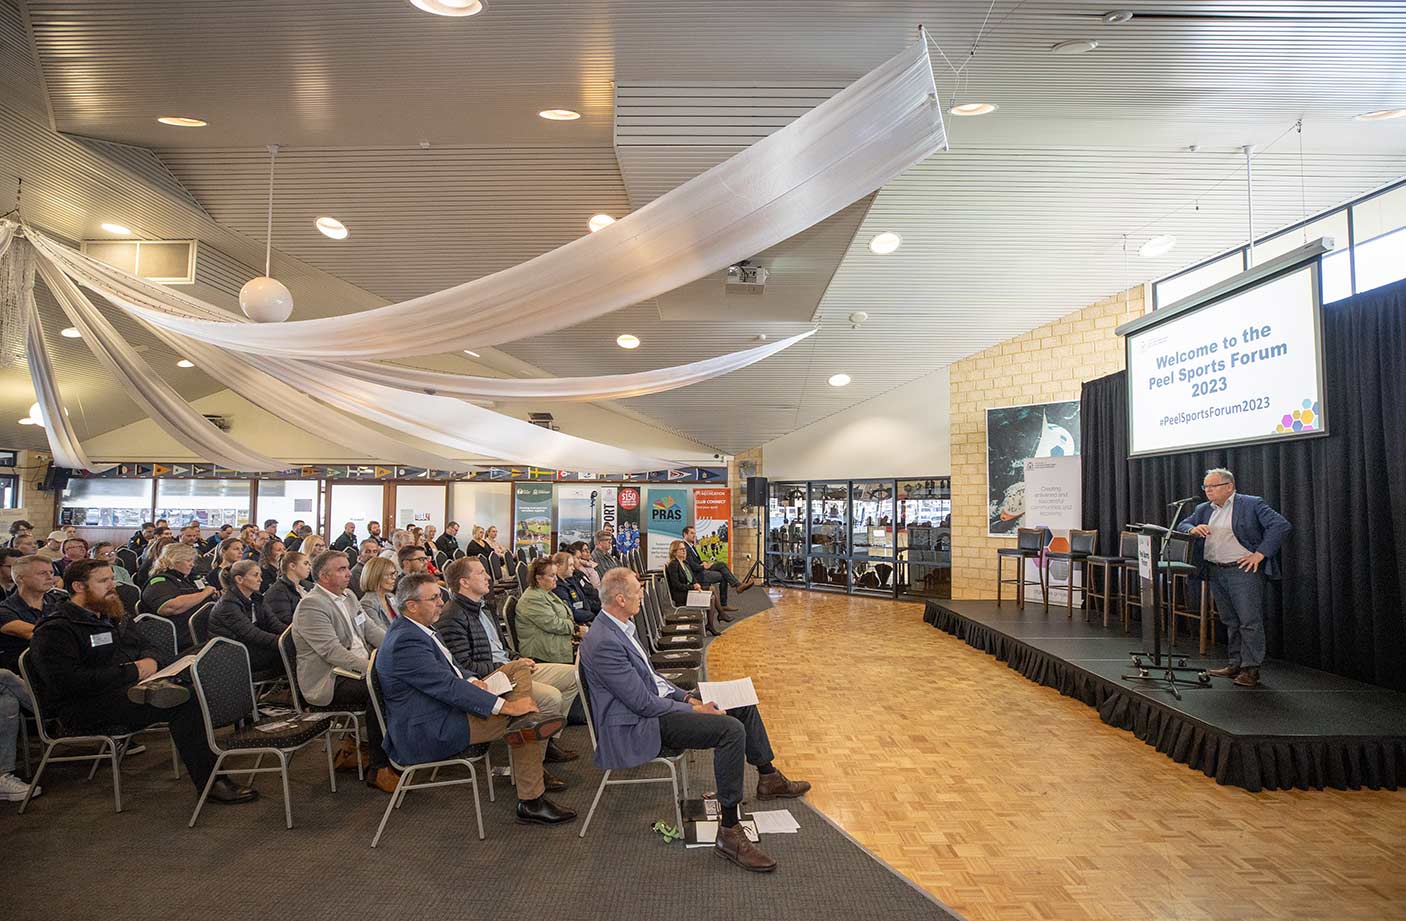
x,y
175,668
348,673
728,695
699,599
498,683
273,727
776,822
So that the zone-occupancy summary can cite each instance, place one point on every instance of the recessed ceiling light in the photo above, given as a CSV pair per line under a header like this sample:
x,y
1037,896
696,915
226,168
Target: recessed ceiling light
x,y
560,115
35,417
70,332
471,353
626,341
599,222
331,227
115,228
974,108
180,121
1076,46
185,363
28,421
884,243
1117,17
1158,246
839,380
449,7
1381,115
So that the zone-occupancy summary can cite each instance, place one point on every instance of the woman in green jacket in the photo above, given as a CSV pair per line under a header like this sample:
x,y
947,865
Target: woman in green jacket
x,y
544,624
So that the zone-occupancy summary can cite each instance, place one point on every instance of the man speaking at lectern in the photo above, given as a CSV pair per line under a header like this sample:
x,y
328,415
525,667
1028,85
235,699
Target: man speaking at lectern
x,y
1241,550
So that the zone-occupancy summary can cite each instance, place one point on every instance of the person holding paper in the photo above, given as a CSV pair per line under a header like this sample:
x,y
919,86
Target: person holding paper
x,y
637,714
683,579
89,669
334,639
428,697
1242,535
714,573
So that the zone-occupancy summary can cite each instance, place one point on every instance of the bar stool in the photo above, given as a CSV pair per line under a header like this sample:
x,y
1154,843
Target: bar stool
x,y
1110,569
1029,544
1082,545
1204,615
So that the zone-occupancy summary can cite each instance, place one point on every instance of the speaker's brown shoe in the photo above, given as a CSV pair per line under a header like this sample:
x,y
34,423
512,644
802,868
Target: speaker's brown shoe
x,y
733,844
775,785
1248,678
1229,671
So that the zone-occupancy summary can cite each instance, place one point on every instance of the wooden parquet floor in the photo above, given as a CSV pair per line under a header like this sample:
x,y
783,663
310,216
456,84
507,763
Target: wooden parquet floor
x,y
1007,801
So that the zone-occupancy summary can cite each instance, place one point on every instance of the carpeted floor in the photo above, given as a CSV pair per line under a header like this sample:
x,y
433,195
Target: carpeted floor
x,y
71,857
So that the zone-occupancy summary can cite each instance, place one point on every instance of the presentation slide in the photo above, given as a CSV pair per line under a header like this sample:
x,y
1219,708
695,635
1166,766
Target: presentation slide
x,y
1240,369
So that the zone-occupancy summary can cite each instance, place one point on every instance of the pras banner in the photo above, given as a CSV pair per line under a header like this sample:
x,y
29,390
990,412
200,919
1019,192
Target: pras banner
x,y
667,515
712,513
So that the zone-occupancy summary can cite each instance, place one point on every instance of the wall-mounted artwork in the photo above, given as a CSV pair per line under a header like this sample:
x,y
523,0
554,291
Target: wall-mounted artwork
x,y
1013,434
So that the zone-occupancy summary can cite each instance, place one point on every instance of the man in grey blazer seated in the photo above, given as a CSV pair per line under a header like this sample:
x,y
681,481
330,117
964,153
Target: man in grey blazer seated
x,y
334,639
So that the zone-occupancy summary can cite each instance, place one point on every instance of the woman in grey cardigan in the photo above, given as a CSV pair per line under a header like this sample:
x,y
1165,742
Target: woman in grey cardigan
x,y
378,591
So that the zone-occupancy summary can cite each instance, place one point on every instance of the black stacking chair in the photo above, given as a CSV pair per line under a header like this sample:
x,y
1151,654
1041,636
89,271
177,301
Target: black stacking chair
x,y
112,744
510,617
199,624
441,560
352,554
1108,591
1082,545
225,688
345,722
407,772
675,761
521,575
1029,544
129,560
131,597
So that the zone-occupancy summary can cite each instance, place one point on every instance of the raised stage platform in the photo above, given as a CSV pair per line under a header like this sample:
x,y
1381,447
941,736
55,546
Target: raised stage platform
x,y
1301,728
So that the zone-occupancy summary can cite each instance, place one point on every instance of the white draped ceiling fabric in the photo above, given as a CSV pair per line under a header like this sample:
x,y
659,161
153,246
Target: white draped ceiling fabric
x,y
839,152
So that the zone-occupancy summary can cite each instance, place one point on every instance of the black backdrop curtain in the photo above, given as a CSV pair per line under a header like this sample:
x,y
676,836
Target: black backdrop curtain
x,y
1339,606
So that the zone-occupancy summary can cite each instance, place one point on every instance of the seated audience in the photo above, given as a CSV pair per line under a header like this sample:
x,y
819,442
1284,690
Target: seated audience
x,y
295,542
567,590
271,528
347,539
153,551
314,545
106,551
378,591
334,642
373,530
711,573
17,527
88,665
604,553
161,537
25,607
7,576
26,543
679,576
143,536
399,540
222,534
237,616
14,697
545,626
170,591
254,546
471,631
295,531
413,560
293,583
370,549
269,557
230,552
585,575
448,542
73,548
52,549
490,538
637,714
478,544
427,697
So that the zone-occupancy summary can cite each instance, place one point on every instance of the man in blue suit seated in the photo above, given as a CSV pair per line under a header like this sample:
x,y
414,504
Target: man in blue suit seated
x,y
1242,535
637,714
427,699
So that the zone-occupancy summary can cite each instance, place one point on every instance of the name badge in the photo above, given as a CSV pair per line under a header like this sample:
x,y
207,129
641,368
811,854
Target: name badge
x,y
101,639
360,619
579,605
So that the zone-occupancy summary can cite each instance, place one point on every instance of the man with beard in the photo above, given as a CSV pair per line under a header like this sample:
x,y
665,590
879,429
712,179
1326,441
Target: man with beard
x,y
374,529
88,666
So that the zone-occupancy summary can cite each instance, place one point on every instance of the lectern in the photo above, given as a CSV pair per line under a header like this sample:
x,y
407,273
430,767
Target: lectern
x,y
1152,664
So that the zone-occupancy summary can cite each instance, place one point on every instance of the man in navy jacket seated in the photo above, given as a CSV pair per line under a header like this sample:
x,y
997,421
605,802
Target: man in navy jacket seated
x,y
711,573
433,712
637,714
1240,550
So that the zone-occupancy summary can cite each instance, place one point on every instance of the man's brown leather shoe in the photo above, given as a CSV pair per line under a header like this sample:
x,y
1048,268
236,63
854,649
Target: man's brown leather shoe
x,y
729,607
1229,671
746,584
733,844
345,758
383,779
775,785
552,781
533,727
1248,678
556,754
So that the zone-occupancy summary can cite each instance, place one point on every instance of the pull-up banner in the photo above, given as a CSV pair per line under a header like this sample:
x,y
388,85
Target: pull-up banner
x,y
712,513
668,515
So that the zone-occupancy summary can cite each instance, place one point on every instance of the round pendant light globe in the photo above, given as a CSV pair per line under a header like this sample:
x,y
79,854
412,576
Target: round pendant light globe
x,y
265,300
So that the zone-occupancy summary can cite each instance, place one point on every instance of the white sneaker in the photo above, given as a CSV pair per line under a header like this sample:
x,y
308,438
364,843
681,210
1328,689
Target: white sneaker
x,y
12,789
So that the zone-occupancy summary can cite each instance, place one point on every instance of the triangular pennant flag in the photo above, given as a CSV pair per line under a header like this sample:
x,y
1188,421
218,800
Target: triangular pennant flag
x,y
180,470
384,473
678,474
160,470
336,473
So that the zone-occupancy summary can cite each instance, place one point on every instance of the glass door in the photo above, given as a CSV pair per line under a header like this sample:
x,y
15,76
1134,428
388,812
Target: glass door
x,y
924,537
420,504
786,533
359,503
872,534
828,566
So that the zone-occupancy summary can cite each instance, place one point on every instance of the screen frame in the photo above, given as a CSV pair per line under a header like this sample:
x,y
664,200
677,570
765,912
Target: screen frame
x,y
1291,262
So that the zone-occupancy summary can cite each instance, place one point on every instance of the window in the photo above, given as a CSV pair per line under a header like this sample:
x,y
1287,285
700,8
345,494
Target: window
x,y
9,458
1379,237
1334,225
210,502
1199,278
9,491
106,503
289,500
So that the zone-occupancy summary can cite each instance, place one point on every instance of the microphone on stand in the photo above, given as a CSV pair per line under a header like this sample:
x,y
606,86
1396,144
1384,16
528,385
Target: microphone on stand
x,y
1182,501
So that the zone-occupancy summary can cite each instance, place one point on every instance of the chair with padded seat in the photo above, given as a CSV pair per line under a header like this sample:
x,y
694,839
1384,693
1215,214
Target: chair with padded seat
x,y
1029,545
467,758
1110,570
1178,572
128,559
675,761
224,686
131,597
344,722
510,617
160,633
199,624
112,744
1082,545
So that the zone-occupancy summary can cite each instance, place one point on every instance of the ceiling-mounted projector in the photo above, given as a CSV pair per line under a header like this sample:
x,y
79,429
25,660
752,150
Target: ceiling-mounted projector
x,y
746,278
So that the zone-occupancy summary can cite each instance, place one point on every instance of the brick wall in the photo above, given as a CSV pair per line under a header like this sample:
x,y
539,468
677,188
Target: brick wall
x,y
744,538
1045,365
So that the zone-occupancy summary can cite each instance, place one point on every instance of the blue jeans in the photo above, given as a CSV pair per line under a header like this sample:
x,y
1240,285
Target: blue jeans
x,y
1240,604
13,695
